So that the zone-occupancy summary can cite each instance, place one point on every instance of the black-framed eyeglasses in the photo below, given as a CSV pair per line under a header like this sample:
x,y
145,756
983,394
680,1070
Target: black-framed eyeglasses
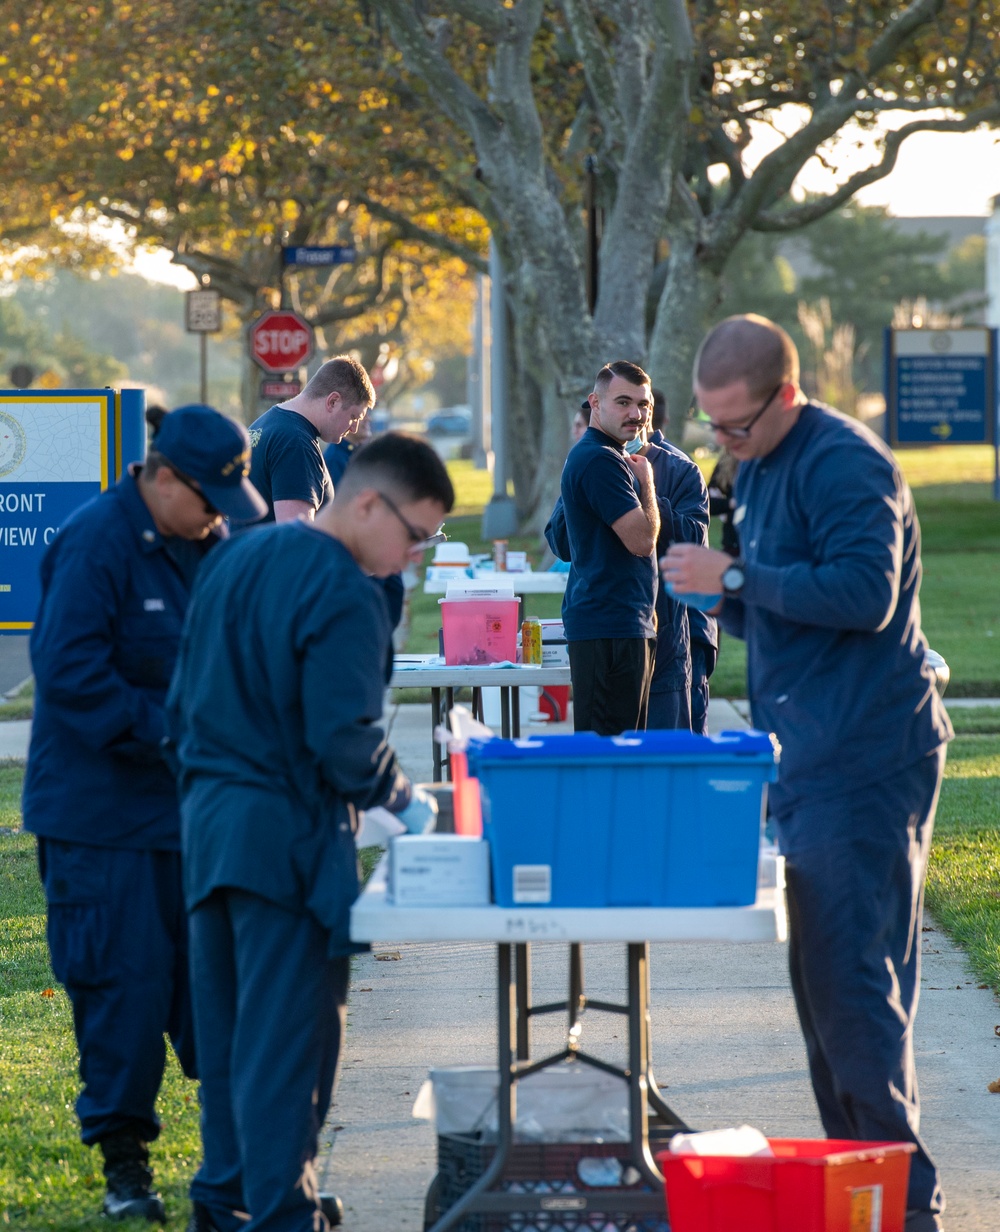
x,y
210,509
741,433
418,538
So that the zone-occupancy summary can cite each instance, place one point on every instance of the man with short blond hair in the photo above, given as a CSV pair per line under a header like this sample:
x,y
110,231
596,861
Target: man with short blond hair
x,y
287,465
826,596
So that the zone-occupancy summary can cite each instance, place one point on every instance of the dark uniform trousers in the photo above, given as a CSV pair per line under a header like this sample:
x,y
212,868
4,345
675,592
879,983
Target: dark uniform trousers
x,y
855,867
117,933
703,658
611,678
269,1020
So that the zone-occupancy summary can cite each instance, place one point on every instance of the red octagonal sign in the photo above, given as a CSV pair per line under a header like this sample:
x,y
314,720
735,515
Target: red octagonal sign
x,y
280,341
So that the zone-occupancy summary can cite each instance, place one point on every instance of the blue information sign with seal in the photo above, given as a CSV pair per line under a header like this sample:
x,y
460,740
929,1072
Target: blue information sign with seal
x,y
941,386
58,448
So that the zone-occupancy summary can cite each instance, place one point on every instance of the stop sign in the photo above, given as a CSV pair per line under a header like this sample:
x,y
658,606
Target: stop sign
x,y
280,340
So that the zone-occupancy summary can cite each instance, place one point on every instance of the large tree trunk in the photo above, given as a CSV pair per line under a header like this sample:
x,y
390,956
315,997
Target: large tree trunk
x,y
691,294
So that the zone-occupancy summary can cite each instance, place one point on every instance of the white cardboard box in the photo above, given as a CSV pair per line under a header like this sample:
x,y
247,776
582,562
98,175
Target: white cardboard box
x,y
439,870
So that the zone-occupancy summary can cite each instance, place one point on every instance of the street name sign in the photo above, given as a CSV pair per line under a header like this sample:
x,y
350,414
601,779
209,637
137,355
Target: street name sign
x,y
311,254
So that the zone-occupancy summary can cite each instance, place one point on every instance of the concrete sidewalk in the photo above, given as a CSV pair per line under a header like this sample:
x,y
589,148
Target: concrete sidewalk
x,y
726,1047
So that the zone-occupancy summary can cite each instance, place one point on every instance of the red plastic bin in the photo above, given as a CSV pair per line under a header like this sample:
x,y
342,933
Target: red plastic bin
x,y
811,1185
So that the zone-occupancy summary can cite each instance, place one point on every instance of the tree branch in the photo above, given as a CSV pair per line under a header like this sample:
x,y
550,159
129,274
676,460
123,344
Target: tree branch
x,y
597,68
455,97
799,216
408,229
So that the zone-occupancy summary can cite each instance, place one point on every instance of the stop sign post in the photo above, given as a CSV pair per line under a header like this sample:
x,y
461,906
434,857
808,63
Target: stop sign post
x,y
280,341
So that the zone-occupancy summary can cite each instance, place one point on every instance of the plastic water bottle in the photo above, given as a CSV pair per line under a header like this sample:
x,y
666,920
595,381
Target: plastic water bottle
x,y
703,603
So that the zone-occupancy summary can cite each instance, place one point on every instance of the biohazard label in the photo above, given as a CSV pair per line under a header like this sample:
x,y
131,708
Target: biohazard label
x,y
866,1209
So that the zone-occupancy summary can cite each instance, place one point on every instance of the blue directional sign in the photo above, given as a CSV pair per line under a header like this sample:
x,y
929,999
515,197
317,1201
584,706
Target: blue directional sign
x,y
333,254
941,386
58,448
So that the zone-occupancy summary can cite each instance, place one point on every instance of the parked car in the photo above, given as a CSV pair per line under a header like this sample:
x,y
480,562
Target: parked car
x,y
454,422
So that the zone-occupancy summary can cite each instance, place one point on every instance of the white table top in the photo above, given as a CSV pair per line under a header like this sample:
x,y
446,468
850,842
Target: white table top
x,y
431,672
373,918
527,583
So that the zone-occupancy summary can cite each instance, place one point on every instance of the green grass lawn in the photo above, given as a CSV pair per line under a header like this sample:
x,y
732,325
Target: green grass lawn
x,y
48,1179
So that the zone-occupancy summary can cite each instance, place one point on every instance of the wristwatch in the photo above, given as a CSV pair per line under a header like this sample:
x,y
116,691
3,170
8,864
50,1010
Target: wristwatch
x,y
733,578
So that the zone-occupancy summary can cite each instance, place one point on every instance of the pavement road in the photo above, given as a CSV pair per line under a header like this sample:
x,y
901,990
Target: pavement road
x,y
15,663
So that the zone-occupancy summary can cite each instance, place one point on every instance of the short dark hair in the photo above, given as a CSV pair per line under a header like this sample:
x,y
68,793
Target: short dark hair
x,y
402,465
746,348
620,367
659,415
154,460
345,376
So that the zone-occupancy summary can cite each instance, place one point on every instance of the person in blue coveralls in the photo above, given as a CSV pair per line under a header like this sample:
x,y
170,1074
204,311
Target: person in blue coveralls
x,y
703,628
98,793
682,499
337,457
287,465
605,524
274,710
826,596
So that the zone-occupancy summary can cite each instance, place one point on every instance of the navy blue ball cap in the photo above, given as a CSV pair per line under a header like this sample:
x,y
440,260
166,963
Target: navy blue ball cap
x,y
215,452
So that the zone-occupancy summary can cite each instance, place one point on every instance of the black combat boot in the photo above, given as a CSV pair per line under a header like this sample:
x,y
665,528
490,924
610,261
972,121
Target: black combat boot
x,y
129,1180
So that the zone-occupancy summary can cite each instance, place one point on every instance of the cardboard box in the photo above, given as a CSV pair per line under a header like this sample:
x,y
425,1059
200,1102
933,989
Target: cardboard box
x,y
439,870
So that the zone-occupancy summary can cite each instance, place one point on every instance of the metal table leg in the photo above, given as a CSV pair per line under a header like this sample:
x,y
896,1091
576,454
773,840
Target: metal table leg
x,y
506,1095
437,754
522,954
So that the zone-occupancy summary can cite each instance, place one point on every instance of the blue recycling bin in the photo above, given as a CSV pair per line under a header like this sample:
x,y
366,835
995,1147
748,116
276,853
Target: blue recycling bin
x,y
646,819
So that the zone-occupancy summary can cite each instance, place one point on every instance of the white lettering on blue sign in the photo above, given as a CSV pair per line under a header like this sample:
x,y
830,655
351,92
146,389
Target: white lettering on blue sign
x,y
21,502
18,536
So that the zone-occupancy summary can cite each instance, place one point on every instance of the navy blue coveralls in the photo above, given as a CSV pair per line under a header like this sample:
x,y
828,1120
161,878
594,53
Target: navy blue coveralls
x,y
104,805
683,503
835,665
275,711
337,457
704,630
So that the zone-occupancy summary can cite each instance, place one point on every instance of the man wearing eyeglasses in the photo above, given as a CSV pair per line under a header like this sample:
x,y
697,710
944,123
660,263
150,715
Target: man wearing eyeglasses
x,y
826,597
98,792
287,466
605,524
275,709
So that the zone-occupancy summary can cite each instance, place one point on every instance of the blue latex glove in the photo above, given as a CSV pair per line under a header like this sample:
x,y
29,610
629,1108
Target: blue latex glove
x,y
420,815
703,603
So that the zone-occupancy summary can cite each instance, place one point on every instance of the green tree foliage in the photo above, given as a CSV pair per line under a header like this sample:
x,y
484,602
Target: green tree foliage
x,y
863,265
60,353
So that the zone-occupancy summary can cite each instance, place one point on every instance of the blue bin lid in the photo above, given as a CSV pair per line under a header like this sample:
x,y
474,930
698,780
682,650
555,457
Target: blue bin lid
x,y
586,746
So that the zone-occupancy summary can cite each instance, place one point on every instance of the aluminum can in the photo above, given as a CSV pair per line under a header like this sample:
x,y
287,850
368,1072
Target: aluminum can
x,y
531,642
500,555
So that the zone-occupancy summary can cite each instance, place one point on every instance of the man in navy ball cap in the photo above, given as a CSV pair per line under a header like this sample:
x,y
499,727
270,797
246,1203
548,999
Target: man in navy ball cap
x,y
115,588
214,451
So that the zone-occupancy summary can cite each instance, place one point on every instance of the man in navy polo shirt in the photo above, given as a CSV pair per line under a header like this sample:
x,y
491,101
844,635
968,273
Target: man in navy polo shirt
x,y
287,466
606,524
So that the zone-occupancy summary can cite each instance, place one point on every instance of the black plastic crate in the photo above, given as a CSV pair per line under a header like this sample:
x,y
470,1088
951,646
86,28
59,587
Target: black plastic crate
x,y
548,1169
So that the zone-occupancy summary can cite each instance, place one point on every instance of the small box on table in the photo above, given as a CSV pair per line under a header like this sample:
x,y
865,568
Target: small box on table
x,y
646,819
439,870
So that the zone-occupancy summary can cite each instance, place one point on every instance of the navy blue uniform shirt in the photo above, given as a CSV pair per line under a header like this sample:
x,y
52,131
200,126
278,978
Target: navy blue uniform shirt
x,y
274,711
103,648
610,592
830,609
286,461
704,628
682,499
336,457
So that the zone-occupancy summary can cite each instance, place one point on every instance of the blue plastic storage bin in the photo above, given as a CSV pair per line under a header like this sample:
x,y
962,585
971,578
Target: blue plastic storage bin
x,y
647,819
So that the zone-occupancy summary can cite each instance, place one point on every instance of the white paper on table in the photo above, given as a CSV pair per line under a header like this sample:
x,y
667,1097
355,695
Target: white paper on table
x,y
742,1143
376,826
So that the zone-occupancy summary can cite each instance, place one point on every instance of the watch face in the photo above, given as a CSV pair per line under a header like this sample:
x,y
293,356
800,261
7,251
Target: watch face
x,y
732,579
